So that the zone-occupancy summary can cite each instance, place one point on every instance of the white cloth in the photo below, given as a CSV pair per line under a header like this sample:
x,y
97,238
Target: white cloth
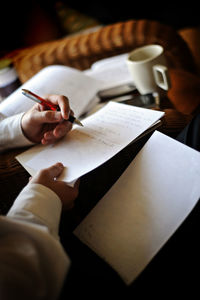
x,y
33,263
11,134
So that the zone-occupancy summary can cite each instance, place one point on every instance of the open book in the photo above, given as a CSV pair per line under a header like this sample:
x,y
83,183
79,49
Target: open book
x,y
80,87
144,208
55,79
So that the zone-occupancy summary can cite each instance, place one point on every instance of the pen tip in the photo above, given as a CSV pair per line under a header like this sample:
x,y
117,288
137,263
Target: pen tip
x,y
78,122
24,90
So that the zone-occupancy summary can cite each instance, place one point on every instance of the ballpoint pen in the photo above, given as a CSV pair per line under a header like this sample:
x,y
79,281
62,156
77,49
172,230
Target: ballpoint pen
x,y
48,105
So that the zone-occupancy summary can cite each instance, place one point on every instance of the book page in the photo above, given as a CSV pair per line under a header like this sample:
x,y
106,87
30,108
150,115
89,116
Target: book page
x,y
147,204
111,71
108,62
54,79
104,134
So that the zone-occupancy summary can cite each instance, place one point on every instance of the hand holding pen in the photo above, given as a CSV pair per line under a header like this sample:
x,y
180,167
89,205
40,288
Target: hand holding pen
x,y
46,123
48,105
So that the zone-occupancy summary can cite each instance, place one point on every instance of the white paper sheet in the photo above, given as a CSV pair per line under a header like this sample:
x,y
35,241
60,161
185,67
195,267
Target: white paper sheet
x,y
144,208
104,134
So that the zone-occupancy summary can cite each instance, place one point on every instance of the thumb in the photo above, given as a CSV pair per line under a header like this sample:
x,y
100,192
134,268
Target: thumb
x,y
53,171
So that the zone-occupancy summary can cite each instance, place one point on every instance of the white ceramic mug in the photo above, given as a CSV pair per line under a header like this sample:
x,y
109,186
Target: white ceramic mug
x,y
148,68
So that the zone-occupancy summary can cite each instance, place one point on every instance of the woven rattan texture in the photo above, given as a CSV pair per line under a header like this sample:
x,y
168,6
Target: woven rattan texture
x,y
82,50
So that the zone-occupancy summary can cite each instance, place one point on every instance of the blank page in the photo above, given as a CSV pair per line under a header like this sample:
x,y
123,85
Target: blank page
x,y
145,206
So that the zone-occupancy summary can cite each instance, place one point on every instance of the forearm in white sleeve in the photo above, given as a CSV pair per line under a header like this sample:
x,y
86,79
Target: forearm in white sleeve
x,y
29,245
11,135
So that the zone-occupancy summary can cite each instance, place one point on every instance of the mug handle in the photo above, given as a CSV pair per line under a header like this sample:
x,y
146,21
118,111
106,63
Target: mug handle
x,y
162,77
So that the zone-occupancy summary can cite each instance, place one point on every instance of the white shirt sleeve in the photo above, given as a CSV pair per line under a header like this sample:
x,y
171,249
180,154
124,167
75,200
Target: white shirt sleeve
x,y
32,259
11,135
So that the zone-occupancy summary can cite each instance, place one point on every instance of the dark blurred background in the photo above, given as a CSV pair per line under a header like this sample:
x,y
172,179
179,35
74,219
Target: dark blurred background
x,y
25,24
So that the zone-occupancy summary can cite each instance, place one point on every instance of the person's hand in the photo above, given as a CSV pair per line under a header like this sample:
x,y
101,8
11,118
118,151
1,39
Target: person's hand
x,y
47,177
46,126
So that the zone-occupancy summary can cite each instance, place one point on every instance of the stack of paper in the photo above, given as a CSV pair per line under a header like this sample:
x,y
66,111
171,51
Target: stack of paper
x,y
104,134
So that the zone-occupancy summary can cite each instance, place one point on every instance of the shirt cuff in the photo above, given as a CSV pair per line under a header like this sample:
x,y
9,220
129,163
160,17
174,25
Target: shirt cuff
x,y
13,131
38,204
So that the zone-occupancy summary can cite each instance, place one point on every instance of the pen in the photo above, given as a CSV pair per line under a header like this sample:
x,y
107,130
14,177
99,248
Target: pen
x,y
48,105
